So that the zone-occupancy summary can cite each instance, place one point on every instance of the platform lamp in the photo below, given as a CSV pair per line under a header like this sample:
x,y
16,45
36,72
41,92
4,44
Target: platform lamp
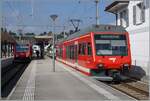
x,y
97,12
53,17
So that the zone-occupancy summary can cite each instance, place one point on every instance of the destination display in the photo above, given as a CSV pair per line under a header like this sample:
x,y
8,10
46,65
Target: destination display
x,y
110,36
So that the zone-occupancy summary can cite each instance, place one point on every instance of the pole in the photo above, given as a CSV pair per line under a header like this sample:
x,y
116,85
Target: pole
x,y
1,25
54,48
116,19
64,31
54,18
97,12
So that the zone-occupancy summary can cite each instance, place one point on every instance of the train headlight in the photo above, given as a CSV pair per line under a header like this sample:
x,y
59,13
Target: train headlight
x,y
125,68
101,65
17,55
126,65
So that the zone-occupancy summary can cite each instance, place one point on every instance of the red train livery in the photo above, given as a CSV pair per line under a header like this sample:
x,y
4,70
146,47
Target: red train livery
x,y
22,52
102,50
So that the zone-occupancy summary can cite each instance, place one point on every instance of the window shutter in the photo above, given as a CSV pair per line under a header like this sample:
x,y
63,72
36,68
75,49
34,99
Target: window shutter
x,y
121,15
134,15
143,12
127,15
147,3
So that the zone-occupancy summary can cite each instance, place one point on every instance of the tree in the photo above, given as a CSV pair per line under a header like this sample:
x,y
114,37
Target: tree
x,y
49,33
12,33
44,33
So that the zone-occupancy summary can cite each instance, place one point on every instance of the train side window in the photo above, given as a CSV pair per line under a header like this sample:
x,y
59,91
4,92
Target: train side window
x,y
67,52
70,52
61,52
83,48
79,48
89,49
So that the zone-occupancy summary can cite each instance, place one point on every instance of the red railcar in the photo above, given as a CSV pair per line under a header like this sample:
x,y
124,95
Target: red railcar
x,y
102,50
22,52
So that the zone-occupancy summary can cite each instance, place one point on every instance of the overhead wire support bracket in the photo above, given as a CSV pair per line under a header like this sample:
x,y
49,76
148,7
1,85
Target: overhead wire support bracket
x,y
75,23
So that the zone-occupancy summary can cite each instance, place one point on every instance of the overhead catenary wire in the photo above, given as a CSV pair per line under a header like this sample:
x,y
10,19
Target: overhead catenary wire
x,y
32,9
83,6
89,5
18,16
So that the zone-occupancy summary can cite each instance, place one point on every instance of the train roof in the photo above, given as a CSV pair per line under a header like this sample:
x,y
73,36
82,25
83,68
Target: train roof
x,y
96,28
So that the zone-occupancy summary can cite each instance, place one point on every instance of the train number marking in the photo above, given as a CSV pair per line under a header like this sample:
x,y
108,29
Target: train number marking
x,y
112,59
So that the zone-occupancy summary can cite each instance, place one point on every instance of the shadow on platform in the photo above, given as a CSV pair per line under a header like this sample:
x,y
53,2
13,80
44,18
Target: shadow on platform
x,y
38,58
137,72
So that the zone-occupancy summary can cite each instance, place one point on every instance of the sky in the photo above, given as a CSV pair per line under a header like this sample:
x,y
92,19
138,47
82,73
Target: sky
x,y
34,15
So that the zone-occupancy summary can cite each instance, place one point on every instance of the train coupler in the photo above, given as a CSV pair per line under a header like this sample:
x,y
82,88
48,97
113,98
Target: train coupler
x,y
115,74
125,70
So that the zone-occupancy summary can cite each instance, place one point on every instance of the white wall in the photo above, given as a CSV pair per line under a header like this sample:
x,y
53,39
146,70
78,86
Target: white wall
x,y
139,37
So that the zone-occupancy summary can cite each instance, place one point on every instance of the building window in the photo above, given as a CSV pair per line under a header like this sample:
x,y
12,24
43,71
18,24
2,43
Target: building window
x,y
124,21
138,14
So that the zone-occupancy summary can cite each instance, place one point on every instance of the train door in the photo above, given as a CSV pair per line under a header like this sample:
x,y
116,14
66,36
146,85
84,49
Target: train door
x,y
88,57
76,52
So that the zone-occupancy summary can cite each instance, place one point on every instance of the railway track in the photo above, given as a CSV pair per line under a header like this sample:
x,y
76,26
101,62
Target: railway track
x,y
9,77
135,89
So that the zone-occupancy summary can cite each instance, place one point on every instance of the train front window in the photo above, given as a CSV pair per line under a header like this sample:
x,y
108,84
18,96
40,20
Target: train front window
x,y
21,48
108,44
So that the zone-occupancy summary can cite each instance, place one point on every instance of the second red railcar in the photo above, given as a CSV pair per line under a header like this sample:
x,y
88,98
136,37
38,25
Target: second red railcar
x,y
22,52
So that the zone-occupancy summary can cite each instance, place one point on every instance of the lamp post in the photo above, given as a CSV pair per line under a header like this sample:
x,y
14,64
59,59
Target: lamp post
x,y
97,12
53,17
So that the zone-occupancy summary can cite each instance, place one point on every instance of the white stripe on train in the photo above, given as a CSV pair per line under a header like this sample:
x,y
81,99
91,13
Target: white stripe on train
x,y
75,65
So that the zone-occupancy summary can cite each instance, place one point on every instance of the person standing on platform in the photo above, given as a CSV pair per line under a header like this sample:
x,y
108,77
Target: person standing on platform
x,y
37,53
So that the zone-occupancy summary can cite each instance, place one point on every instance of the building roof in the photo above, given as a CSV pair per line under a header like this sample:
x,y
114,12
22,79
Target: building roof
x,y
96,28
116,5
43,38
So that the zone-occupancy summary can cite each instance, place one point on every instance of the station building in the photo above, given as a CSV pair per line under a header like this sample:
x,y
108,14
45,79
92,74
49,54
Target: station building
x,y
134,16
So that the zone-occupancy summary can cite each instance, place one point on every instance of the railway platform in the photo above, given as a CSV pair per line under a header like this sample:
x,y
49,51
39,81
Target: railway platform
x,y
6,61
39,82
